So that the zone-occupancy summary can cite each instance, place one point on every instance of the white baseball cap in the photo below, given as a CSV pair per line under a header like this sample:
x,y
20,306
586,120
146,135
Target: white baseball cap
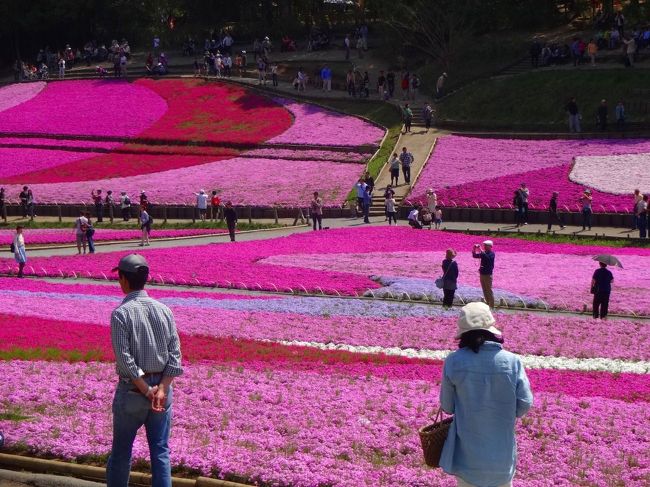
x,y
488,242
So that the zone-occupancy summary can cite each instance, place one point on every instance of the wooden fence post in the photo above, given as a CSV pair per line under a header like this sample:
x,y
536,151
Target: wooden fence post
x,y
164,211
58,212
250,215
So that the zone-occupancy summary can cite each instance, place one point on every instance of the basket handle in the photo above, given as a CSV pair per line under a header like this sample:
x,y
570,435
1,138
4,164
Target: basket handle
x,y
438,417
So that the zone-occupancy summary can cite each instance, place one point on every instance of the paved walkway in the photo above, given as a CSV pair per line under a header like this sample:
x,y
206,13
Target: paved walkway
x,y
420,143
9,478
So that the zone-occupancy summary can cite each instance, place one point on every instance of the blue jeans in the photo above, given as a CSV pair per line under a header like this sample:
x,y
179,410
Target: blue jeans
x,y
642,224
131,410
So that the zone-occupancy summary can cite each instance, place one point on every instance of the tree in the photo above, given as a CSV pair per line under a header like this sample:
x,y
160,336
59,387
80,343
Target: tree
x,y
438,28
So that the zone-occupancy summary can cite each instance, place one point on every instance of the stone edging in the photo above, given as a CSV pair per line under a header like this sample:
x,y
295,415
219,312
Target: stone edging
x,y
39,465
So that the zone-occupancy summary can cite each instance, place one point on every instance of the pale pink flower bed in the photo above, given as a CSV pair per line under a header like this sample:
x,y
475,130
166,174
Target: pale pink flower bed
x,y
63,236
244,181
113,108
17,93
316,125
467,170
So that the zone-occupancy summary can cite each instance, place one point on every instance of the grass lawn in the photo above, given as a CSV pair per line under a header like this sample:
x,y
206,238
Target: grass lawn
x,y
550,238
538,98
382,113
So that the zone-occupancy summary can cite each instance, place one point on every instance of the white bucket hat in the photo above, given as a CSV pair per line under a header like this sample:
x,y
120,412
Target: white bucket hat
x,y
488,242
476,316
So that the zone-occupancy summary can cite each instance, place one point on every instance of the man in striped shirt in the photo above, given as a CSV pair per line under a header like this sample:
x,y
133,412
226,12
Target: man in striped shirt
x,y
148,357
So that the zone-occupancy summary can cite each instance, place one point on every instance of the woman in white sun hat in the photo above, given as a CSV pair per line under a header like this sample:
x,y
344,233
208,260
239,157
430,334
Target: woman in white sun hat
x,y
486,389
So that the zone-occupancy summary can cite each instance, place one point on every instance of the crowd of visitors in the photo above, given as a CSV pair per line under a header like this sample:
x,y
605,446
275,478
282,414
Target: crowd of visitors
x,y
601,115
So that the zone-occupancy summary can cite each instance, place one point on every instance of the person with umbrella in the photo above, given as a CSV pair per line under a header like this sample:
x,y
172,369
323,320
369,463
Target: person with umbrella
x,y
601,285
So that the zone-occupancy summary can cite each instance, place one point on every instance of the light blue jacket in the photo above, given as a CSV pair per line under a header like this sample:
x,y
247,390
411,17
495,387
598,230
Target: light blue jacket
x,y
486,392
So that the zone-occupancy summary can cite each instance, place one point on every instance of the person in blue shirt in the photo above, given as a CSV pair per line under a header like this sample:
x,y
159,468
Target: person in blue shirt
x,y
326,76
486,389
601,287
486,269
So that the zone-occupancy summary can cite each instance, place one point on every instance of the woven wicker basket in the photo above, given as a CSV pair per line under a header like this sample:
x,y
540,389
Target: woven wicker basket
x,y
433,438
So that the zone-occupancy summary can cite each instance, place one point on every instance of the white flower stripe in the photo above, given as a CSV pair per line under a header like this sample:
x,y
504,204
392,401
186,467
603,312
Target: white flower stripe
x,y
529,361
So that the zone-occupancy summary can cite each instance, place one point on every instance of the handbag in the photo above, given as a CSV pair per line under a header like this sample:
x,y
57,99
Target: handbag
x,y
440,282
594,289
433,437
12,248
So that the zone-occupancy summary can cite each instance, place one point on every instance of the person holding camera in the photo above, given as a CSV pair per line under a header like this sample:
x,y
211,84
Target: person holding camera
x,y
486,269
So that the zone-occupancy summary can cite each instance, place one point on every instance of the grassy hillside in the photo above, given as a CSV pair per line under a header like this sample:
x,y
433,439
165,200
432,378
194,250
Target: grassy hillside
x,y
539,97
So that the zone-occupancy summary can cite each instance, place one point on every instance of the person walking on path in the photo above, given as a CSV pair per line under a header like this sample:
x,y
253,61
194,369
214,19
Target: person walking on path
x,y
408,118
518,205
394,163
440,85
367,201
486,389
601,114
349,80
80,225
405,83
586,201
31,204
642,216
145,226
24,197
125,206
215,205
406,159
592,50
230,215
432,200
427,114
449,278
601,288
619,112
391,206
148,358
2,204
486,269
574,115
202,204
361,191
637,197
90,234
326,76
390,81
381,85
317,211
525,193
346,45
18,248
630,50
108,201
99,204
553,215
61,68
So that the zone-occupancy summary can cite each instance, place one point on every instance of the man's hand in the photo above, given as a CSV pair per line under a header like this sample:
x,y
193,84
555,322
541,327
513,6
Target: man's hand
x,y
158,400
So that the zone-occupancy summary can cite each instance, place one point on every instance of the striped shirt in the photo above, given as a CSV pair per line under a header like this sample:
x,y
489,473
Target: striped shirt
x,y
144,338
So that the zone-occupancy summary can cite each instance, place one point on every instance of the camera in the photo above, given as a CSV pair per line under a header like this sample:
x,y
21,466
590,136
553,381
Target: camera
x,y
477,246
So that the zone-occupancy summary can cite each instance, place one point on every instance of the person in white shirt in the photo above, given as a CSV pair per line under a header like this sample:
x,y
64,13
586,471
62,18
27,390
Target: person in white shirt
x,y
80,227
202,204
391,205
61,68
413,218
432,200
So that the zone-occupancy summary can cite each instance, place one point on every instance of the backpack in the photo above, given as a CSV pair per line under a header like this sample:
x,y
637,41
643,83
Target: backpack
x,y
127,201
